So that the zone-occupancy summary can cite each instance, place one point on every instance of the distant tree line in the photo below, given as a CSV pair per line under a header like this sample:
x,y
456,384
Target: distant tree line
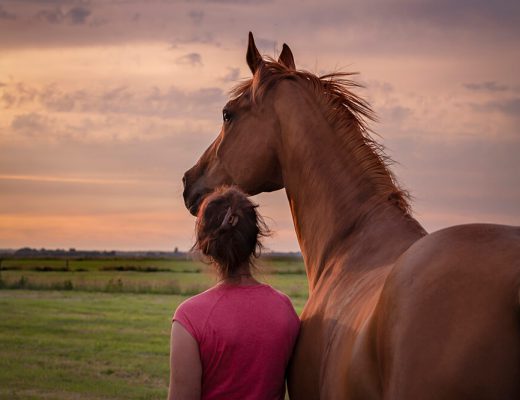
x,y
73,254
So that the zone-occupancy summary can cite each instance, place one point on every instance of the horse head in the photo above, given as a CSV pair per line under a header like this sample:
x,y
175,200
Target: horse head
x,y
245,151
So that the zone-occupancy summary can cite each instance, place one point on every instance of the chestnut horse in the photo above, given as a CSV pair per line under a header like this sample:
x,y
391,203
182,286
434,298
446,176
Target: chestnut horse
x,y
393,312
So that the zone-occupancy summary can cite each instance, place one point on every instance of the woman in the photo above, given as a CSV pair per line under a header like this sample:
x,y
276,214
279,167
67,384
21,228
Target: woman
x,y
234,340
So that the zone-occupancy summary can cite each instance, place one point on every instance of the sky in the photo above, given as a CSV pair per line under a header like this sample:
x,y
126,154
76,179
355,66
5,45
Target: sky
x,y
105,104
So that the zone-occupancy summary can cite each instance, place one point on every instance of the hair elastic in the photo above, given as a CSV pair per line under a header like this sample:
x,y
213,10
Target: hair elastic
x,y
229,219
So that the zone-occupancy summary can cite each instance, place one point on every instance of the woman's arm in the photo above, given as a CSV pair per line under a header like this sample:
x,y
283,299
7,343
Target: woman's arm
x,y
185,366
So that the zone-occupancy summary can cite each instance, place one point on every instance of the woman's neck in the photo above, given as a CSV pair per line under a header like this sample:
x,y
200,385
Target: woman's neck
x,y
242,277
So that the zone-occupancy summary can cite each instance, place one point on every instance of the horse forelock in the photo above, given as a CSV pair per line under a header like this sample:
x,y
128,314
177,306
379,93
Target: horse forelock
x,y
349,113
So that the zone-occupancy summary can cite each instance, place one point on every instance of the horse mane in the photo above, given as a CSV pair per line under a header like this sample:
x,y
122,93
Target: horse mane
x,y
344,110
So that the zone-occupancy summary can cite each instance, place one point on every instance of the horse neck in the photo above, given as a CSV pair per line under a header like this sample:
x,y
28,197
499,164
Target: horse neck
x,y
339,218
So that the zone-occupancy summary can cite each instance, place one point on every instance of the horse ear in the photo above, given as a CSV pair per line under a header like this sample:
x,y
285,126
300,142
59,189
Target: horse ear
x,y
286,57
253,57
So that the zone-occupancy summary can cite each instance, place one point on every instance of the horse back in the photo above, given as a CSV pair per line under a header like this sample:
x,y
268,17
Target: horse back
x,y
447,324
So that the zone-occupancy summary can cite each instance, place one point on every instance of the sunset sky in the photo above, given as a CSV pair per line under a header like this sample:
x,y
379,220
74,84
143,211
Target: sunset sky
x,y
104,105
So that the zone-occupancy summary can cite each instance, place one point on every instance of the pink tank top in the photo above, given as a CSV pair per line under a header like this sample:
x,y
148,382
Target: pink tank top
x,y
246,335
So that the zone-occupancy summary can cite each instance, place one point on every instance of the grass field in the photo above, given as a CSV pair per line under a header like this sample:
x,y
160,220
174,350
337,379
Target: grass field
x,y
140,276
97,341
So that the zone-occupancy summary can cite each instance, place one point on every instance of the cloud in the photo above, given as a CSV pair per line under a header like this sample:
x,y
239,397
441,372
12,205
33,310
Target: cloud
x,y
232,75
55,16
489,86
194,38
196,15
240,2
77,15
165,102
55,100
6,15
389,26
18,94
64,179
30,124
58,3
265,45
468,178
448,14
175,102
8,100
395,114
191,59
509,107
378,86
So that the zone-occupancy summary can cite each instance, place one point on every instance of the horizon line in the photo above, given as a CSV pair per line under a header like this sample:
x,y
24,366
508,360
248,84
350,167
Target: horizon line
x,y
74,249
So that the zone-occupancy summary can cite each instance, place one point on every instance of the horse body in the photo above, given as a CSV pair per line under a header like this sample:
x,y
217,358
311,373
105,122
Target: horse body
x,y
393,313
447,323
440,322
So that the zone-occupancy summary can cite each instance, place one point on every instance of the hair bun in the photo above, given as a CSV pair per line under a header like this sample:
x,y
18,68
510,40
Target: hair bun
x,y
228,230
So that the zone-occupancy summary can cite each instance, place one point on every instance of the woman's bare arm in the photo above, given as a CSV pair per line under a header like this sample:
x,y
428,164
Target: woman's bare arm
x,y
185,366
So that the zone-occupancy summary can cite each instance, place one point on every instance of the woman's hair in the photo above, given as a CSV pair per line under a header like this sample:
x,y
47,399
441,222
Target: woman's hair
x,y
228,230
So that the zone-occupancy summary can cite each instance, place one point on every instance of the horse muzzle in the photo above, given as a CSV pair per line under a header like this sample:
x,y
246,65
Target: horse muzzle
x,y
193,194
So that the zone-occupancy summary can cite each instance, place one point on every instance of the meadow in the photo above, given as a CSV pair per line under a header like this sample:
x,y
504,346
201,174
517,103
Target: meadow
x,y
99,329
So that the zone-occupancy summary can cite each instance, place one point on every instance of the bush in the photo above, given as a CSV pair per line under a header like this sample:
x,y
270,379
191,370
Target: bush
x,y
47,268
65,285
114,285
134,268
22,283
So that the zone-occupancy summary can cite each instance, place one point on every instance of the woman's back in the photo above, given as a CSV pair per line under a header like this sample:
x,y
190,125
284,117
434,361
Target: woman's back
x,y
234,340
245,334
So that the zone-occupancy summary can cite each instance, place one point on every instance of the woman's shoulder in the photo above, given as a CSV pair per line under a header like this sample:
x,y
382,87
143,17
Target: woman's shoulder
x,y
280,298
283,309
193,312
202,300
280,295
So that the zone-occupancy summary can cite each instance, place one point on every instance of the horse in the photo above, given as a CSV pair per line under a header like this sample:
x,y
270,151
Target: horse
x,y
393,312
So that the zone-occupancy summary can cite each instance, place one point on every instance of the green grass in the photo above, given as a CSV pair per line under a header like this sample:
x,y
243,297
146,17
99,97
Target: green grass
x,y
84,345
167,276
106,334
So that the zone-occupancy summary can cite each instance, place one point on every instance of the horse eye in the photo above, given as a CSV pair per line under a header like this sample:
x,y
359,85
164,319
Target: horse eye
x,y
226,115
